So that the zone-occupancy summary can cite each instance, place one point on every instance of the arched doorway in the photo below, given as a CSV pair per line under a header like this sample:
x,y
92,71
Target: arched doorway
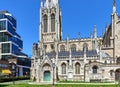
x,y
117,74
47,76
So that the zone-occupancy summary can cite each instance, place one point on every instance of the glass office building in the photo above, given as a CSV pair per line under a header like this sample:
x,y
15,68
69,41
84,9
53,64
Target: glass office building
x,y
11,44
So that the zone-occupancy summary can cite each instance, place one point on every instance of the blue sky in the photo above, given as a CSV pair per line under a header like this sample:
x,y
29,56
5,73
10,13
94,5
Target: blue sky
x,y
77,16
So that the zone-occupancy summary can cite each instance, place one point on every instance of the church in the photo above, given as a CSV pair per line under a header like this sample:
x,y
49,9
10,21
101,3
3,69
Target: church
x,y
82,59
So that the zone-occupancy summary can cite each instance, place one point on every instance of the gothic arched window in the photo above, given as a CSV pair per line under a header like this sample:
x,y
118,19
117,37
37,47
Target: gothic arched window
x,y
77,68
52,23
63,68
62,48
45,23
95,68
73,47
85,47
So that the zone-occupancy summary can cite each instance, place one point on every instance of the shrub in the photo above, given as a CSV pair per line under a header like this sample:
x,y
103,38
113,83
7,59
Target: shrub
x,y
15,79
34,79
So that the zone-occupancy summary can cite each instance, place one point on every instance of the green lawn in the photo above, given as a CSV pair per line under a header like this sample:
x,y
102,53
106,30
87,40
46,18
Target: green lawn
x,y
25,83
62,85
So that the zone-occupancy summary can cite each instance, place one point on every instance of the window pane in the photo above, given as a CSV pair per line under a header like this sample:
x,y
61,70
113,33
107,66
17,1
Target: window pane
x,y
3,37
85,47
3,25
62,48
77,68
52,23
45,23
6,48
73,48
63,68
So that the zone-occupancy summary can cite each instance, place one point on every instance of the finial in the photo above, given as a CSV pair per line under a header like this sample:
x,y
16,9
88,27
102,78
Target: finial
x,y
114,6
94,27
102,32
95,31
106,26
114,3
79,35
41,3
55,2
91,35
67,37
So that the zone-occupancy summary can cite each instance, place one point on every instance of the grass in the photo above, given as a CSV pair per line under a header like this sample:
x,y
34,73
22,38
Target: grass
x,y
24,83
61,85
72,82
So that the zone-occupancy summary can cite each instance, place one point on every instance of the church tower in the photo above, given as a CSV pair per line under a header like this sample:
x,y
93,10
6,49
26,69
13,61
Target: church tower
x,y
50,23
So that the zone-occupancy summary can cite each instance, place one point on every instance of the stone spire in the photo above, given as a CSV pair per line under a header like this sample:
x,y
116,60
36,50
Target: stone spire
x,y
67,42
103,32
95,32
47,3
67,37
91,35
41,3
114,6
95,37
106,27
70,58
79,36
55,2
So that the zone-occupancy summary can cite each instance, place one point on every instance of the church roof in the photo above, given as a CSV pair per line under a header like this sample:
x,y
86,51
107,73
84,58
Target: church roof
x,y
92,53
89,53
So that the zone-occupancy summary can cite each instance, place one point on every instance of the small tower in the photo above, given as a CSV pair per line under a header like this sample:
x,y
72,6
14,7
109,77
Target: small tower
x,y
114,6
106,27
95,44
114,18
95,32
67,42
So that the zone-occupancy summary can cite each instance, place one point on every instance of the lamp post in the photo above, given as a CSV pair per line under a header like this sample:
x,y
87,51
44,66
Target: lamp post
x,y
53,66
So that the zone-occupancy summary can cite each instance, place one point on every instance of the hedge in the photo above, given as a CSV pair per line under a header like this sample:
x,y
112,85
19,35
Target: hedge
x,y
15,79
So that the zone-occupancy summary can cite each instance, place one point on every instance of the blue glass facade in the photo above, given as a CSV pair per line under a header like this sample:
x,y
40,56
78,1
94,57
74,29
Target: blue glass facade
x,y
10,42
11,45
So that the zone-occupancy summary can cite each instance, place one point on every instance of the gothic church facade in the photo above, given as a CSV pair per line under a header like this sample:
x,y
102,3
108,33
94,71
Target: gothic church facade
x,y
82,59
